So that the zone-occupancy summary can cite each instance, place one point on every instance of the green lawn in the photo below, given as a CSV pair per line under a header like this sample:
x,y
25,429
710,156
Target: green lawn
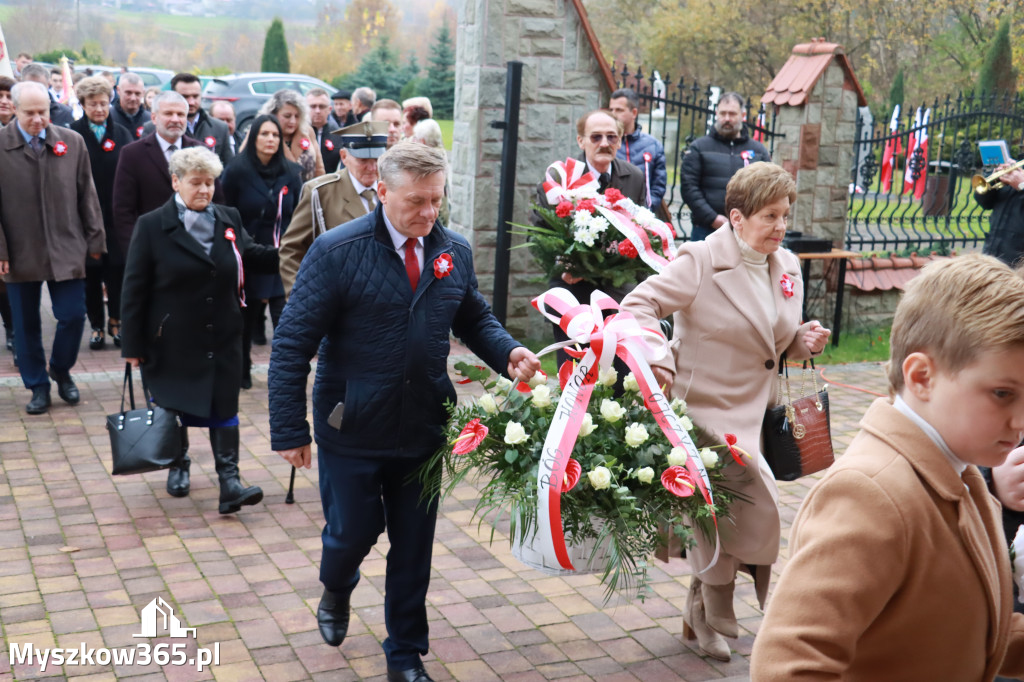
x,y
447,132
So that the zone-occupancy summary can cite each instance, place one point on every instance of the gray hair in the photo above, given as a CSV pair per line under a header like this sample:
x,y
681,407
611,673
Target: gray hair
x,y
318,92
93,85
735,97
195,160
35,72
428,132
18,88
418,160
418,102
167,97
366,96
284,97
129,78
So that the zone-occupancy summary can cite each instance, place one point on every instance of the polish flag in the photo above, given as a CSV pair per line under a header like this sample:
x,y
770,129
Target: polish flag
x,y
922,142
908,179
892,149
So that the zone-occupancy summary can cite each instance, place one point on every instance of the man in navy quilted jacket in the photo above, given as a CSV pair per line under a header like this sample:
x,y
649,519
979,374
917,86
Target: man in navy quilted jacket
x,y
377,298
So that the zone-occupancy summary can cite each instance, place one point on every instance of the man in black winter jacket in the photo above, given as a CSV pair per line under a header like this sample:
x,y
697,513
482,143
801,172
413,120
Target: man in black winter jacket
x,y
711,161
1005,238
128,111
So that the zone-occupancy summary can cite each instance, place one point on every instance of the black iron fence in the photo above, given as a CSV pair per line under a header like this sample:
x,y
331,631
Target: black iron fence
x,y
905,195
677,113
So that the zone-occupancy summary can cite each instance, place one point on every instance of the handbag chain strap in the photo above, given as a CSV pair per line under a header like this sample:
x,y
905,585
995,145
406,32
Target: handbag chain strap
x,y
814,382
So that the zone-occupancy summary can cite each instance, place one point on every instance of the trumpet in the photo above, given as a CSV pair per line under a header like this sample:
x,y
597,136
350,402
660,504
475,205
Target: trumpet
x,y
982,184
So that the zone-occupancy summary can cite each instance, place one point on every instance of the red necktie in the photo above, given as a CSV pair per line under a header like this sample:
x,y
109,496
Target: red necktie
x,y
412,266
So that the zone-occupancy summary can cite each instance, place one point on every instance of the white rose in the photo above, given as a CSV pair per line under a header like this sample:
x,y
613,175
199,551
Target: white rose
x,y
611,410
678,405
630,383
645,475
541,396
608,377
709,457
537,379
685,422
587,425
677,457
600,478
504,384
487,402
515,433
636,435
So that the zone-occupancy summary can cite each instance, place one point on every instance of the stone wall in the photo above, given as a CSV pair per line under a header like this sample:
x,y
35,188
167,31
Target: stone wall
x,y
818,150
562,79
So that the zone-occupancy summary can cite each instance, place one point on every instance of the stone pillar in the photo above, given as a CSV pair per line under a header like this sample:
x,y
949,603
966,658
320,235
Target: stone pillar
x,y
816,96
563,77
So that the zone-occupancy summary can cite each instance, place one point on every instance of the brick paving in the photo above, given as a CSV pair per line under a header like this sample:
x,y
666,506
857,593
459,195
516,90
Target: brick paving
x,y
81,552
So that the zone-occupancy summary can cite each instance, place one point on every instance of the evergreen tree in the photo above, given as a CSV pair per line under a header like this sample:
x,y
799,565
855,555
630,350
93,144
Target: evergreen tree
x,y
275,49
439,84
410,77
378,70
895,93
997,72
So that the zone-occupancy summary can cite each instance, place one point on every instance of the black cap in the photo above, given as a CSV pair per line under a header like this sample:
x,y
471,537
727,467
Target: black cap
x,y
342,94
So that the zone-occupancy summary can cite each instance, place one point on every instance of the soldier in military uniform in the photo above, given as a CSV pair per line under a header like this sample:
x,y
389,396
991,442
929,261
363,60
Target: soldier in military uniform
x,y
335,198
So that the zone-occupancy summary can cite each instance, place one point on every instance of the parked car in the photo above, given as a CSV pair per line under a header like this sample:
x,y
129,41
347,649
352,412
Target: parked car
x,y
150,77
248,91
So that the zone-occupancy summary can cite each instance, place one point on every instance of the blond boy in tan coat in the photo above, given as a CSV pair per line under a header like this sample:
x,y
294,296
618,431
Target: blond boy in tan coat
x,y
900,570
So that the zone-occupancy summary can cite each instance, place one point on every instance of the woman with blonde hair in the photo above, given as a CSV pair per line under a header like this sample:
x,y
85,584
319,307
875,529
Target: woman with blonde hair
x,y
736,300
299,140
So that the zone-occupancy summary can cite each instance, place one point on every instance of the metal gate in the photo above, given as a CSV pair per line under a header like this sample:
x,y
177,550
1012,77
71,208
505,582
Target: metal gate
x,y
677,114
927,203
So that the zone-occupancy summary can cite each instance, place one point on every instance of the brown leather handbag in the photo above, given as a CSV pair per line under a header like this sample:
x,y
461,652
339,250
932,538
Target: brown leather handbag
x,y
796,433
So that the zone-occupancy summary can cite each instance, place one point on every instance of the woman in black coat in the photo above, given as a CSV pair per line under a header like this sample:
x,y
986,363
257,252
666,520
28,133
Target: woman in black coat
x,y
104,139
264,186
182,303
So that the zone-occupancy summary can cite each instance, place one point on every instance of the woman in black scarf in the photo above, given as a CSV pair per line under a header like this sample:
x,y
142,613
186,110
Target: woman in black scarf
x,y
264,186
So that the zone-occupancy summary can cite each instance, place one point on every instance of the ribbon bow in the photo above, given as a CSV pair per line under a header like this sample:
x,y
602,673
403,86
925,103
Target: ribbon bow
x,y
620,334
573,179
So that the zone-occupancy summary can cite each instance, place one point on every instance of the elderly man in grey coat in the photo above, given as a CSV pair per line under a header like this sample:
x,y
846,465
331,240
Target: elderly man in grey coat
x,y
50,221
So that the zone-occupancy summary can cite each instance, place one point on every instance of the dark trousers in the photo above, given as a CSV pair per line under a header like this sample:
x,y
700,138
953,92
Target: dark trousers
x,y
252,318
699,233
5,309
95,277
68,303
361,498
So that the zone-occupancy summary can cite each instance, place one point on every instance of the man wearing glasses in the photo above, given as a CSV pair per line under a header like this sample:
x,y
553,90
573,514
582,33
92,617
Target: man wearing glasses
x,y
599,135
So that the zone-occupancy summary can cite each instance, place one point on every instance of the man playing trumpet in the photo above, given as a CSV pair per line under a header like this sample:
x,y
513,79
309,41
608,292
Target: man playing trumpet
x,y
1003,192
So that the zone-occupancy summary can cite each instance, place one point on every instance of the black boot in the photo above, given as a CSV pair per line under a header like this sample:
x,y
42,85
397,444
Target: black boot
x,y
332,616
233,496
178,484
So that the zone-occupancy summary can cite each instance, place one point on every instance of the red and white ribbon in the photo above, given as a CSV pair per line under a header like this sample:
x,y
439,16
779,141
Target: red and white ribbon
x,y
622,221
573,180
620,334
229,234
647,176
277,221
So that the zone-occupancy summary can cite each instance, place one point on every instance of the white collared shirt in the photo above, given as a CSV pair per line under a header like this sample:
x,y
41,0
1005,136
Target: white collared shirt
x,y
399,241
165,145
958,464
360,188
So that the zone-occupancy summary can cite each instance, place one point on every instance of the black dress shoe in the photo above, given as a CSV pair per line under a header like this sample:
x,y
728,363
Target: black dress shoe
x,y
417,674
66,388
40,402
332,616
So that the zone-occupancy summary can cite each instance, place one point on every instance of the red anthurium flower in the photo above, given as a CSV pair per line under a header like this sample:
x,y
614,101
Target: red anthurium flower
x,y
564,209
60,149
735,450
108,145
573,470
210,141
472,435
678,481
627,249
443,266
586,205
787,286
564,372
304,143
613,195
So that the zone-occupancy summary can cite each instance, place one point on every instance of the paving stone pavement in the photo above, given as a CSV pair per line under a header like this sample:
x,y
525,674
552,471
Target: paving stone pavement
x,y
82,552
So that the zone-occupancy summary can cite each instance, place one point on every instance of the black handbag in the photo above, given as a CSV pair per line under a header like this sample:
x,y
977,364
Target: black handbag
x,y
143,439
796,433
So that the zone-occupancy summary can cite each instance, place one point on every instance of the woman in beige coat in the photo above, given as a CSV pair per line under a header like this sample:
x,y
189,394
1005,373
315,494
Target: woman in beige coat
x,y
736,299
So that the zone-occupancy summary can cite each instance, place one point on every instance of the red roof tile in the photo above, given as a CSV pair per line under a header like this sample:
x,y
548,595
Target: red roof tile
x,y
798,76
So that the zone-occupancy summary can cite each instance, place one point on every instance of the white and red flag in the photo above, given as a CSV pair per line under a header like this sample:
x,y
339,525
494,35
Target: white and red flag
x,y
922,143
891,151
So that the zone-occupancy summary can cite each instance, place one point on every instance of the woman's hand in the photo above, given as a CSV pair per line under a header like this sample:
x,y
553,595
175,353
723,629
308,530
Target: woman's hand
x,y
664,378
569,279
1008,481
300,458
816,337
134,362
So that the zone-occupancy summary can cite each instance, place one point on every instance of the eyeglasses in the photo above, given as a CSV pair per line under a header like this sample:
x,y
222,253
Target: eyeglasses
x,y
595,138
